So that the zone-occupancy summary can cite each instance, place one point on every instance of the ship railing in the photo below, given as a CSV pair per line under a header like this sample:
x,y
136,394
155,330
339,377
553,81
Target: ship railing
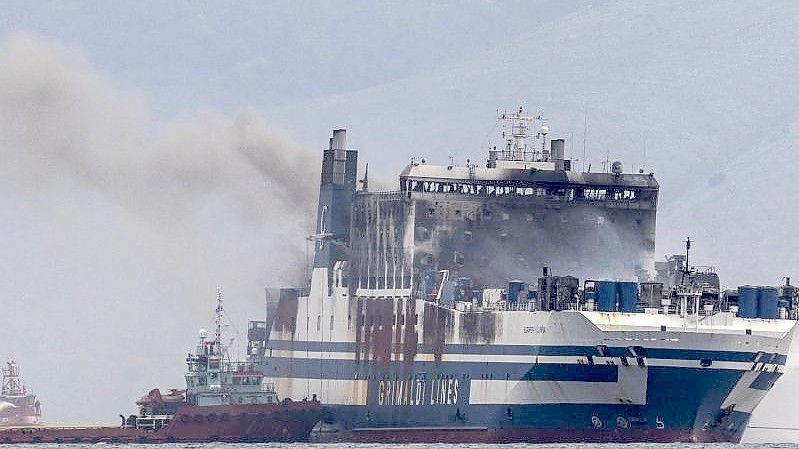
x,y
510,155
153,422
526,306
389,195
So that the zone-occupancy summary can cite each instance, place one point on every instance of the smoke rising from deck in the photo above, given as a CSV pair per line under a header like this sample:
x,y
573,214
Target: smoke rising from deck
x,y
593,248
116,229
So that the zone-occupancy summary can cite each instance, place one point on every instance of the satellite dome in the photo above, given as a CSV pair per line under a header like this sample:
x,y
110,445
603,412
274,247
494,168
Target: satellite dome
x,y
617,168
544,129
203,333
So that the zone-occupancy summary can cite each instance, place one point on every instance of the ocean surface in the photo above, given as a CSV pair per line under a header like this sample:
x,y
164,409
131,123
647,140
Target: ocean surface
x,y
419,446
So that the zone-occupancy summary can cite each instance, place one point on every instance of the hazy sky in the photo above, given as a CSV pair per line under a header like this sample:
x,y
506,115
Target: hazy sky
x,y
152,150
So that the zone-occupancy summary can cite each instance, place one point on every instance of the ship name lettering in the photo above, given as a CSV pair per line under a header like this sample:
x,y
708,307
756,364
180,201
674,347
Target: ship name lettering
x,y
445,391
415,392
534,329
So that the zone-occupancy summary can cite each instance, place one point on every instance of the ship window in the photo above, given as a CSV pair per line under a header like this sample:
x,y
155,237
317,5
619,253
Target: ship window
x,y
331,322
594,194
349,322
318,322
402,319
467,236
704,363
415,318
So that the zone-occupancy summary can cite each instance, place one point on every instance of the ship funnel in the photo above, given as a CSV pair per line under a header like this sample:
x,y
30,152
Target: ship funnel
x,y
336,191
558,153
339,139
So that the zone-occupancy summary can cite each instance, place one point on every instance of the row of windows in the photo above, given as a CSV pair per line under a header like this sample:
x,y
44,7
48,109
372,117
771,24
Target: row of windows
x,y
568,194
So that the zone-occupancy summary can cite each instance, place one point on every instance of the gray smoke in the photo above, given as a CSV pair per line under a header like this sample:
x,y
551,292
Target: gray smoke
x,y
583,242
117,227
59,119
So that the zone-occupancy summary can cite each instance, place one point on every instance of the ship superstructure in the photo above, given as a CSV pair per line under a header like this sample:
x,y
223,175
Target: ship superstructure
x,y
212,379
515,301
18,406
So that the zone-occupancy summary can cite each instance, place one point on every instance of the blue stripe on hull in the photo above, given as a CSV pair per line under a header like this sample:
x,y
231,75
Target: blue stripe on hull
x,y
532,350
681,402
765,380
349,369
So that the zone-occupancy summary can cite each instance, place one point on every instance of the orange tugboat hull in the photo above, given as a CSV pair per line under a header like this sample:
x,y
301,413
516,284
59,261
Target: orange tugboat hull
x,y
288,422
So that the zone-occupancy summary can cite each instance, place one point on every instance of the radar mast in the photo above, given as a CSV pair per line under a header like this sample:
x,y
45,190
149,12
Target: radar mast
x,y
517,134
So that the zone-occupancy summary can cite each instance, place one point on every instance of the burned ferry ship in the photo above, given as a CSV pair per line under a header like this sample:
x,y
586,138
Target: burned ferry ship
x,y
512,302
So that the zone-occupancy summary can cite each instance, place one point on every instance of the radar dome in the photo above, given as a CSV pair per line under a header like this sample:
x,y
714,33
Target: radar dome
x,y
203,333
544,129
617,168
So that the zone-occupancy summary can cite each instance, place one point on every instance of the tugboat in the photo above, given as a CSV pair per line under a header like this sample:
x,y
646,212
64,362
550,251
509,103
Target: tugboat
x,y
18,406
223,401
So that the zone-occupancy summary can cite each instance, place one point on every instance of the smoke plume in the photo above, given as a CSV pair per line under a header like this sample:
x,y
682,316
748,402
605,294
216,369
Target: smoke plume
x,y
117,227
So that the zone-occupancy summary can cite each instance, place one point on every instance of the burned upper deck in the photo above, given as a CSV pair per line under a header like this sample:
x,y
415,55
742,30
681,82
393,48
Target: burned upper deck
x,y
524,210
638,191
492,225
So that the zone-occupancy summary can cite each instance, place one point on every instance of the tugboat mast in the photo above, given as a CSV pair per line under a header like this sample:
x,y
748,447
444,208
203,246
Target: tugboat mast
x,y
219,315
686,269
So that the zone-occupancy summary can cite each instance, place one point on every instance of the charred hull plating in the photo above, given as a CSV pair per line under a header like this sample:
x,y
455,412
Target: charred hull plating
x,y
426,320
287,422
